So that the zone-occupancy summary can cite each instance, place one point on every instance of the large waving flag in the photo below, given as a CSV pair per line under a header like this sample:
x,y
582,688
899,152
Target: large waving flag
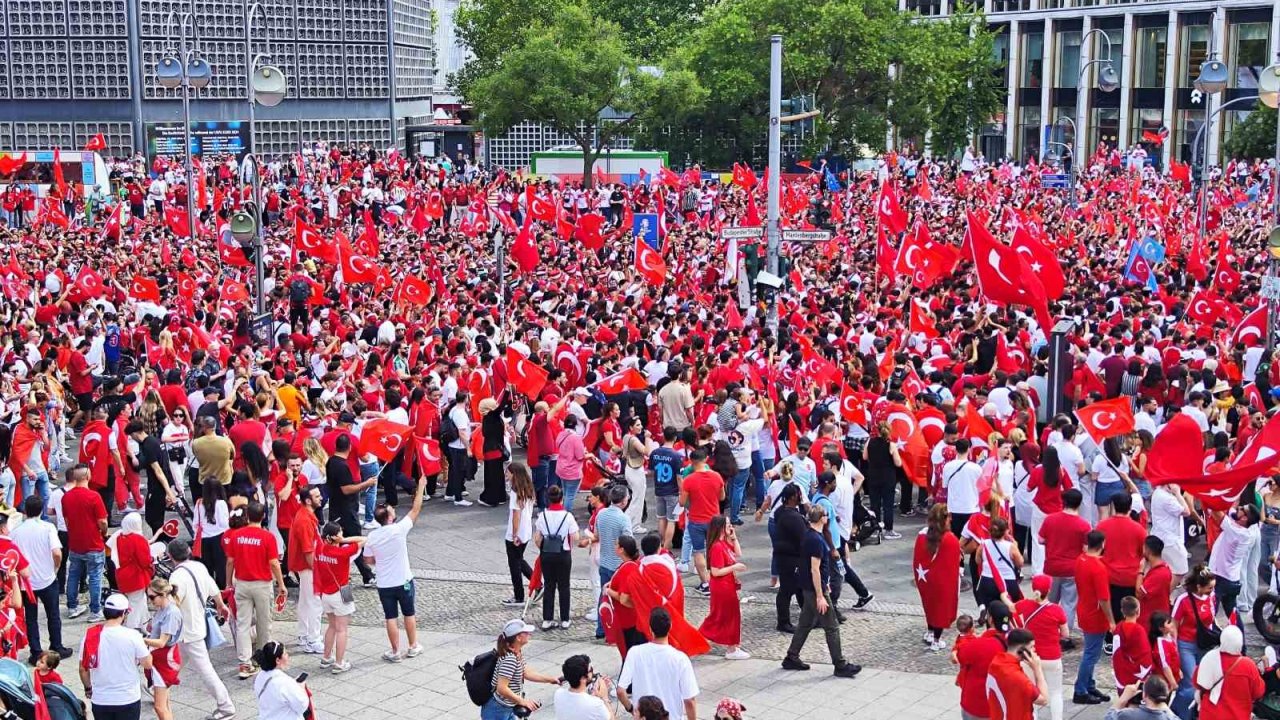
x,y
1004,274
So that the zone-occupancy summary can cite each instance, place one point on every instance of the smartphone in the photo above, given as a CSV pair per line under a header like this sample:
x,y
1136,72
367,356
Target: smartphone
x,y
302,677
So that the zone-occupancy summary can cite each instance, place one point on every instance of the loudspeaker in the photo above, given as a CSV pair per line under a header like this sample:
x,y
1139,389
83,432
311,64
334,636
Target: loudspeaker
x,y
1108,81
269,85
244,225
1269,86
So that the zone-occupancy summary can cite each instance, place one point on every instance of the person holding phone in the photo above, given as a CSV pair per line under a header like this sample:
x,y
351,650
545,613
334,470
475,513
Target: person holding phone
x,y
1011,694
585,695
280,697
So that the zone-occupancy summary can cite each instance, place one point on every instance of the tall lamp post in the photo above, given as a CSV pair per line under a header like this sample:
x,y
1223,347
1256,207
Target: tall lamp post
x,y
1107,81
1211,81
184,68
1269,94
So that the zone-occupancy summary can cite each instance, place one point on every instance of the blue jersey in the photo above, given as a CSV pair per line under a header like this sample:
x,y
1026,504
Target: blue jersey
x,y
666,464
111,348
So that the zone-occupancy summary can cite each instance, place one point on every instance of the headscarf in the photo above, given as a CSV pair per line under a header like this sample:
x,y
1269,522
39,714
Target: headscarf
x,y
1211,675
1029,453
131,524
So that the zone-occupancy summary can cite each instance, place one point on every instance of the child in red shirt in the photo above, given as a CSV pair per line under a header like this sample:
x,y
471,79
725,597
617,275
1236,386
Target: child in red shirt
x,y
47,667
1132,658
964,633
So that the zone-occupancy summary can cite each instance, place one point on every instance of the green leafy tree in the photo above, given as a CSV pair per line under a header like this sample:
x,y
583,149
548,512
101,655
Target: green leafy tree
x,y
1255,136
564,70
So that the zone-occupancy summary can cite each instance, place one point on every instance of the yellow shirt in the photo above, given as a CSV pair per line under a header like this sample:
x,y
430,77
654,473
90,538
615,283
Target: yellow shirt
x,y
291,398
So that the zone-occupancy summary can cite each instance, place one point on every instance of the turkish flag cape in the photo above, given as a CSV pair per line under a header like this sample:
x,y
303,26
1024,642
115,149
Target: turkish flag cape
x,y
937,578
95,451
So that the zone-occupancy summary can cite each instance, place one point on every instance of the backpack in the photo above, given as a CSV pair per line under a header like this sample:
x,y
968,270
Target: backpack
x,y
299,292
448,429
478,675
553,543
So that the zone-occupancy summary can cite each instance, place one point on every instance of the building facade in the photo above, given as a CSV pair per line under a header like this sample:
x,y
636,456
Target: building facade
x,y
358,71
1156,49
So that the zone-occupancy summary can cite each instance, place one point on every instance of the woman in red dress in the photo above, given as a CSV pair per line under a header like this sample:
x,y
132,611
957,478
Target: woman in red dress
x,y
723,625
935,568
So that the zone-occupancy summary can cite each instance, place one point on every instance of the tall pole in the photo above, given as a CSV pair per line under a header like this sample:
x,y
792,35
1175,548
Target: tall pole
x,y
1273,264
775,170
186,125
499,256
259,262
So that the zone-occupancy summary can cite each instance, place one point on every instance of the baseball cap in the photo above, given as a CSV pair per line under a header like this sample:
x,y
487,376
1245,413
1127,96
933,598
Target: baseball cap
x,y
116,602
1041,584
511,629
346,417
581,392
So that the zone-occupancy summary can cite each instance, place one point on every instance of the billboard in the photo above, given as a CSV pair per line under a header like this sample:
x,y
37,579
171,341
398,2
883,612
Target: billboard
x,y
207,138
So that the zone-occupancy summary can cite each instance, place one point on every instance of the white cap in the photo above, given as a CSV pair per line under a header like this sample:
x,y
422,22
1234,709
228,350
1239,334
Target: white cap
x,y
510,630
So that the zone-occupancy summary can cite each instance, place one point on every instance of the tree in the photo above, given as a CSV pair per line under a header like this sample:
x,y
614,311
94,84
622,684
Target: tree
x,y
1255,136
944,78
564,68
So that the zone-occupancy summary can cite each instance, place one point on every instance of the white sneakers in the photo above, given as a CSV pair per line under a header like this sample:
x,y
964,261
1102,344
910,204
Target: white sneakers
x,y
737,654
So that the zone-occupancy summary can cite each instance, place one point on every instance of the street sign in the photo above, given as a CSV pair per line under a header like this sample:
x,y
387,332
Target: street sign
x,y
1270,287
742,233
1054,181
806,236
645,226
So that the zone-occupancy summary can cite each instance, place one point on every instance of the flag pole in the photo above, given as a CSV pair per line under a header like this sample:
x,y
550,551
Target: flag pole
x,y
499,256
775,171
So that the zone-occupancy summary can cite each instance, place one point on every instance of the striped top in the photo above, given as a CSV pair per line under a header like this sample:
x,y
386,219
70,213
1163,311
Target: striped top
x,y
511,667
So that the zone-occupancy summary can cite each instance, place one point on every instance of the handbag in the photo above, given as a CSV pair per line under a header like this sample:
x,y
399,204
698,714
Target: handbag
x,y
213,637
1208,637
345,592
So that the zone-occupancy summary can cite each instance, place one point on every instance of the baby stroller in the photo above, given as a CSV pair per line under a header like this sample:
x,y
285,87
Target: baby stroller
x,y
1268,706
867,527
17,691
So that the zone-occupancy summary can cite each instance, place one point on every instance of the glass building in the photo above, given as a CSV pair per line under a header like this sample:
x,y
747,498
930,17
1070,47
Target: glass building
x,y
1156,49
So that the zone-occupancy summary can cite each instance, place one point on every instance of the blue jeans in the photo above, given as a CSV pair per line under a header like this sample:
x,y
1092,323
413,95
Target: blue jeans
x,y
570,487
80,565
1270,543
757,476
739,492
1189,657
39,483
605,576
541,473
686,547
492,710
1088,661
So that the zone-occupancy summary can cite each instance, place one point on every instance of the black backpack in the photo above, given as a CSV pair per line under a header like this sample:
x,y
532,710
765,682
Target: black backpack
x,y
478,675
448,430
299,292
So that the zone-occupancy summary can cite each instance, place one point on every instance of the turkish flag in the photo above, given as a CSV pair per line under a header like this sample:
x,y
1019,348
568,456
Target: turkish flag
x,y
732,317
904,431
112,228
890,214
434,207
176,219
572,363
308,239
428,455
186,285
97,143
544,211
1253,329
383,438
1042,260
1177,456
355,268
90,283
912,385
1206,307
415,291
977,429
58,180
668,178
923,190
852,408
1106,419
507,222
649,263
526,376
622,381
743,176
886,256
933,423
920,322
1003,273
524,250
52,213
887,361
1226,279
588,231
819,369
144,289
234,292
1263,446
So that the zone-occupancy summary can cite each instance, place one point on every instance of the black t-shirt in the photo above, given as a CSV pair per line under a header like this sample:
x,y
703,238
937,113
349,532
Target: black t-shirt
x,y
790,533
342,507
987,347
666,464
150,452
815,547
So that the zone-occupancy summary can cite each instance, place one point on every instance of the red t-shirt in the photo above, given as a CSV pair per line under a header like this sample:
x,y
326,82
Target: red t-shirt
x,y
288,507
1241,685
253,549
1044,622
303,536
1092,585
1165,655
1048,499
1063,535
1132,658
704,488
1123,551
82,508
1010,693
623,581
1157,587
246,431
333,566
974,657
80,382
1206,607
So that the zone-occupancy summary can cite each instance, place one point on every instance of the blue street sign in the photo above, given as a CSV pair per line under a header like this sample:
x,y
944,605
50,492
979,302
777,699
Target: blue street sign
x,y
1054,181
645,226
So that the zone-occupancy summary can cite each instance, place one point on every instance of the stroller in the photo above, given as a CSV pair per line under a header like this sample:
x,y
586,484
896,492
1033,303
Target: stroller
x,y
867,527
17,691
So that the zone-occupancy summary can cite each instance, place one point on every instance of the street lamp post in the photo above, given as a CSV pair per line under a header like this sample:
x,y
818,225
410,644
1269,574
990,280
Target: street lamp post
x,y
1211,81
1269,94
189,71
266,85
1108,81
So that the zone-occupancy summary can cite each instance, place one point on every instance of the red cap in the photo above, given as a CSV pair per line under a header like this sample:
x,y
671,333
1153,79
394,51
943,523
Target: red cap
x,y
1040,584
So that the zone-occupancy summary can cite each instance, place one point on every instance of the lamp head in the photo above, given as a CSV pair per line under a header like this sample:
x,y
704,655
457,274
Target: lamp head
x,y
1212,78
1108,80
1269,86
244,224
199,73
169,72
269,85
1273,242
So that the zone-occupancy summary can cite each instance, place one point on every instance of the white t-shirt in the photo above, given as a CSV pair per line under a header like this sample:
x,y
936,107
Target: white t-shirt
x,y
661,671
960,478
37,540
1104,471
1071,459
526,518
579,706
1227,558
775,491
461,421
1166,517
388,547
280,697
549,523
115,679
55,507
191,581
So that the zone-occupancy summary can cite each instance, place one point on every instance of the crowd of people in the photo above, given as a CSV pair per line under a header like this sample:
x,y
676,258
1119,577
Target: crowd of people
x,y
908,374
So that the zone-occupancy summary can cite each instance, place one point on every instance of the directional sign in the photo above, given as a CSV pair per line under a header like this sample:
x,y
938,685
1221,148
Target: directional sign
x,y
1054,181
742,233
805,236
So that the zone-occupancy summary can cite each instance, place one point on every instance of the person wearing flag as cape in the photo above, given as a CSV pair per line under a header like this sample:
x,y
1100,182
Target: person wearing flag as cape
x,y
935,565
630,596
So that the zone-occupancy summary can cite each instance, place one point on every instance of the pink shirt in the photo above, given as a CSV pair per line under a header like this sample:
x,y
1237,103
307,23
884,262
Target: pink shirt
x,y
571,455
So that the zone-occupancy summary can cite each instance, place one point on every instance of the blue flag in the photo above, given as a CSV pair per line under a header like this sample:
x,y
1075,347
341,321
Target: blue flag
x,y
1151,249
833,184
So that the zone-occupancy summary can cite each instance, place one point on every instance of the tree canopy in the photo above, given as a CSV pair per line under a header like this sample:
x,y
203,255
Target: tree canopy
x,y
1255,136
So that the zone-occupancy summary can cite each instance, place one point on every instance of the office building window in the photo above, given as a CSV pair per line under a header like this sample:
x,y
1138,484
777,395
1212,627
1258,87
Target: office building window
x,y
1149,68
1029,133
1000,51
1032,60
1068,59
1248,52
1189,123
1195,50
1146,120
1106,128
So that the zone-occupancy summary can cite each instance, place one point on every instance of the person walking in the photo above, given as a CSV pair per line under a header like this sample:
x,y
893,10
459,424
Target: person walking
x,y
493,452
723,624
301,558
1094,616
212,519
333,584
935,573
38,541
154,461
163,633
455,431
86,528
611,524
818,607
521,497
635,455
659,670
700,495
555,532
193,587
253,563
131,556
387,549
110,655
571,453
510,674
280,696
1048,625
1011,694
1063,536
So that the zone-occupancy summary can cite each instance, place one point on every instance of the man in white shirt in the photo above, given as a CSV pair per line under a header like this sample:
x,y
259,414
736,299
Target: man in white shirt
x,y
960,478
387,548
586,696
193,587
1072,459
459,450
1145,418
655,668
1194,409
39,543
1227,559
111,683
